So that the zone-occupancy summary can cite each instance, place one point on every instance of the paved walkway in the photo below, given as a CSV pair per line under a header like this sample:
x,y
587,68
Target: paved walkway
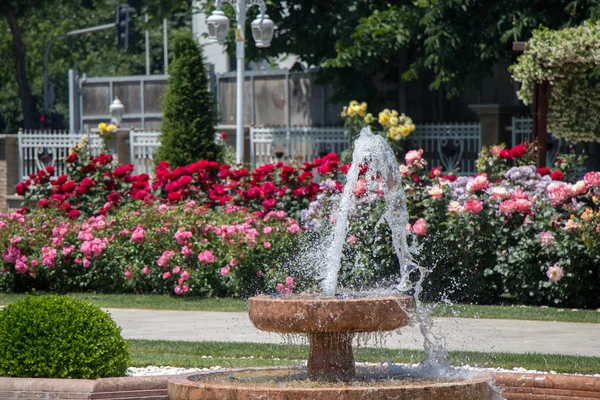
x,y
460,333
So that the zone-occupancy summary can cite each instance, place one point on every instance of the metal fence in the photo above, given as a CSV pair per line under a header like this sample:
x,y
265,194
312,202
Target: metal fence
x,y
40,149
143,146
451,146
268,145
521,128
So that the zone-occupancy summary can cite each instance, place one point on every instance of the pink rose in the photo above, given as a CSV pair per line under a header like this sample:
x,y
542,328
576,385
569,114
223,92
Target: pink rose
x,y
178,290
474,206
146,270
185,275
360,188
352,240
166,275
176,270
413,157
554,273
267,245
294,228
420,227
128,275
592,179
546,238
225,270
206,257
267,230
478,183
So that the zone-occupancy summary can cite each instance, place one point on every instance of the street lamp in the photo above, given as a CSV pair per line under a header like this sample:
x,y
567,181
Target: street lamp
x,y
262,31
116,110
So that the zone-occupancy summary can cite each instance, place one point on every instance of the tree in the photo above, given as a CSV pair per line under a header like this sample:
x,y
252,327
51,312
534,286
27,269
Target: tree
x,y
189,117
33,22
14,10
452,44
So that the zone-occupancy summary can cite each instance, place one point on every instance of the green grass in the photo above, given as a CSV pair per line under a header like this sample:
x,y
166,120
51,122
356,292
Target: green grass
x,y
238,355
517,312
149,301
165,302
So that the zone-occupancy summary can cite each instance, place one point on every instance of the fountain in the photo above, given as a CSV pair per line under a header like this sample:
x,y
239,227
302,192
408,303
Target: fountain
x,y
331,321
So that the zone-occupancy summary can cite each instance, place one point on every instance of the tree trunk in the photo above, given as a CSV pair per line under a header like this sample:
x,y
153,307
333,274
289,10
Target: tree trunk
x,y
24,89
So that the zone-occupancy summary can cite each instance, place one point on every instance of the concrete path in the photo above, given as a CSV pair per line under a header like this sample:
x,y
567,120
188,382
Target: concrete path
x,y
459,333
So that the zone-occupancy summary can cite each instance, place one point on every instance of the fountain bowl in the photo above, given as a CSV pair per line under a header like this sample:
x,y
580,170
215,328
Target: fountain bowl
x,y
303,314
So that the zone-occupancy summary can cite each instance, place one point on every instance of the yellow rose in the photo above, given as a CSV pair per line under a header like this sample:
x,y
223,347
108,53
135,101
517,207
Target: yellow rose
x,y
102,126
412,127
84,139
394,113
394,121
368,118
362,109
352,111
78,146
353,103
111,128
71,151
384,118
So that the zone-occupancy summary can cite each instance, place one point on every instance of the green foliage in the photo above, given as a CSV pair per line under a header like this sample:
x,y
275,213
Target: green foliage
x,y
94,54
187,133
60,337
569,60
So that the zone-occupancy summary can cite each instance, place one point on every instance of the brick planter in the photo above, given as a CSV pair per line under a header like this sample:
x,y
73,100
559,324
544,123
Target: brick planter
x,y
514,387
130,388
548,387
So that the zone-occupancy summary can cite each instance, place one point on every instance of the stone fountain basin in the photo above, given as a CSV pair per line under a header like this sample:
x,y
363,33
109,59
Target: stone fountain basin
x,y
299,314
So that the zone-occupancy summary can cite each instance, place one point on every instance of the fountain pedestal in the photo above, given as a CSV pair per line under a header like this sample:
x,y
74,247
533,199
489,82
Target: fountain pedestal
x,y
330,324
331,356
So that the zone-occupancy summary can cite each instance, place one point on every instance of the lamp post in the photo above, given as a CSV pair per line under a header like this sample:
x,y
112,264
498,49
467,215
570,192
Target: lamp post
x,y
262,31
116,110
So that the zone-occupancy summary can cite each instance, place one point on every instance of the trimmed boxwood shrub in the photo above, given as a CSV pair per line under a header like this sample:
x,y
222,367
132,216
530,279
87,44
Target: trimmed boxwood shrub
x,y
60,337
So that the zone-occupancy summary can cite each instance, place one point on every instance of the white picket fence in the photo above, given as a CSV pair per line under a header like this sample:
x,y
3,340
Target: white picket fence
x,y
40,149
143,146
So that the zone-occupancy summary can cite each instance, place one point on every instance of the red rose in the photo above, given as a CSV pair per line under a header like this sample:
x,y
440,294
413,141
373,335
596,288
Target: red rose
x,y
68,187
72,158
543,171
42,203
74,214
50,170
557,176
517,151
175,196
22,187
66,207
270,203
504,154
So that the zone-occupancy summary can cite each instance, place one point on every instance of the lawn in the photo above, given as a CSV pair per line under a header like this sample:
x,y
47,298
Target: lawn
x,y
165,302
237,355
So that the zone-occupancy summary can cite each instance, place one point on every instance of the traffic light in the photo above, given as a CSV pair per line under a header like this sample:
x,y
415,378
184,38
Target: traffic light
x,y
124,25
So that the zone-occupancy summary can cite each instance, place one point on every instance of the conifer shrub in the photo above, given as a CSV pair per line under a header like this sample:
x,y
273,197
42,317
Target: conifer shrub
x,y
189,118
60,337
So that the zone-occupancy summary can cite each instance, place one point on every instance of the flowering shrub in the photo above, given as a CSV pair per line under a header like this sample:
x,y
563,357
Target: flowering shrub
x,y
94,185
392,125
527,235
159,248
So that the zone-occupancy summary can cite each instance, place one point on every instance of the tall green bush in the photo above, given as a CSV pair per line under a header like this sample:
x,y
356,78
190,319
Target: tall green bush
x,y
187,133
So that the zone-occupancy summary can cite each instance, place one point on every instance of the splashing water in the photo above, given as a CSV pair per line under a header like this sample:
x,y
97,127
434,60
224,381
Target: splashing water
x,y
383,173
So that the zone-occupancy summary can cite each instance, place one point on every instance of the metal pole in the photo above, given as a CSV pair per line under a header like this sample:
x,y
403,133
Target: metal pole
x,y
47,53
239,54
165,45
147,36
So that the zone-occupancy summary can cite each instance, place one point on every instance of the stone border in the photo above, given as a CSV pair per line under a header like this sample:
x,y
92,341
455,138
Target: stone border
x,y
548,386
130,388
515,386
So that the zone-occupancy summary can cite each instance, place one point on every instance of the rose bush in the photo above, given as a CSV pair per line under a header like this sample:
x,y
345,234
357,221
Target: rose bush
x,y
528,235
158,248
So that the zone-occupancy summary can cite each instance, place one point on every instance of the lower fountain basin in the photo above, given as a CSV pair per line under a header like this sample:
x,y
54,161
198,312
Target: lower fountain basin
x,y
270,383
